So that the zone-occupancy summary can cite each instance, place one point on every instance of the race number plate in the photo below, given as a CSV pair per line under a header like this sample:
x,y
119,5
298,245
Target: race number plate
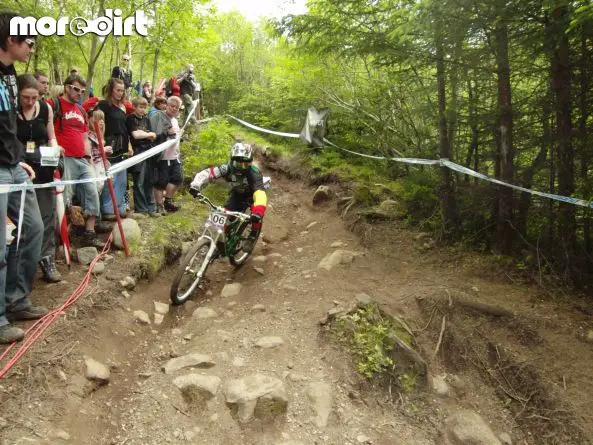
x,y
217,220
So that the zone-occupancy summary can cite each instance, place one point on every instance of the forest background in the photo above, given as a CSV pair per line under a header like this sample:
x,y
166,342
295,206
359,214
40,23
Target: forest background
x,y
502,87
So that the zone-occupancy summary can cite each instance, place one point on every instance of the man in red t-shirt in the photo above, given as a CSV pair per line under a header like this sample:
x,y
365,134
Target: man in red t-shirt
x,y
71,129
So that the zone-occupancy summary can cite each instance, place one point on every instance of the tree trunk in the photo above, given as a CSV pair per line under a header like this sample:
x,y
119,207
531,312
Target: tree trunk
x,y
56,70
562,94
505,123
155,67
584,135
447,198
472,151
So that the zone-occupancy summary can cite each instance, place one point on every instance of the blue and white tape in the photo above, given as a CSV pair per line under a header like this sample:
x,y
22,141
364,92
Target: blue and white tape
x,y
440,162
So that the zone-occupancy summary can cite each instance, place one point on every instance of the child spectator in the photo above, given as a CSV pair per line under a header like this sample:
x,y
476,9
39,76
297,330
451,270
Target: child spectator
x,y
142,138
160,103
96,158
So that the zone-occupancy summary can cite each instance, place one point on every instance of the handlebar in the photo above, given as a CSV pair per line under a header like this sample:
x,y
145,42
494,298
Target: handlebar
x,y
205,200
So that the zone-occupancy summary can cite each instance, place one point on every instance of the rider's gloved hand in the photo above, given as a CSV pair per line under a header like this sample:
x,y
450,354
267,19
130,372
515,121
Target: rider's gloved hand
x,y
257,214
194,191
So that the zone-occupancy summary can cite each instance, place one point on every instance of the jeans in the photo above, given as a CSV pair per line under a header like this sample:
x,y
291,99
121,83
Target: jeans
x,y
18,271
46,198
144,187
79,168
120,184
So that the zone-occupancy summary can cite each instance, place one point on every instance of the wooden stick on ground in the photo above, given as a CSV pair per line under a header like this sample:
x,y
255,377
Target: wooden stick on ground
x,y
443,326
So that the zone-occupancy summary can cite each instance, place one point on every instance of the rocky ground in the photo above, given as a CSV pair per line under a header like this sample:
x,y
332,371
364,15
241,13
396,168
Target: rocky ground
x,y
249,363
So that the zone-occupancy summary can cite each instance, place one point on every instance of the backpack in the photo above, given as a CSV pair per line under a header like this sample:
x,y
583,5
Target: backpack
x,y
57,109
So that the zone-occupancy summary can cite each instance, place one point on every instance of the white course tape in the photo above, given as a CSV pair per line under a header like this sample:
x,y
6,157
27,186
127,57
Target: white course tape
x,y
441,162
264,130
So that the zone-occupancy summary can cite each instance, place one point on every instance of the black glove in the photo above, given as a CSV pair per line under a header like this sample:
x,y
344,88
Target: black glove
x,y
194,192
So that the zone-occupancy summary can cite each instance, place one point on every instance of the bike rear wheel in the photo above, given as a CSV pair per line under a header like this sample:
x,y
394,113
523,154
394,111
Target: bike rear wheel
x,y
191,271
239,258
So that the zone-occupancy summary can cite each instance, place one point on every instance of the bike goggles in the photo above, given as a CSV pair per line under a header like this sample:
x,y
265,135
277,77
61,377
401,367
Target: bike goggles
x,y
241,165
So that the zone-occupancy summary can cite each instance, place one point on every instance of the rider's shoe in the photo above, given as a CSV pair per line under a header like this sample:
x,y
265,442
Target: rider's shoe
x,y
249,243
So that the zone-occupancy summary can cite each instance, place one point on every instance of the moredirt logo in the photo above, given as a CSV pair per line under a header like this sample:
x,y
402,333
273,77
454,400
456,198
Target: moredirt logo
x,y
111,23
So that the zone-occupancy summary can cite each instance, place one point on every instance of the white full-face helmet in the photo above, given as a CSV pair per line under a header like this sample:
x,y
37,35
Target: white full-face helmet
x,y
241,155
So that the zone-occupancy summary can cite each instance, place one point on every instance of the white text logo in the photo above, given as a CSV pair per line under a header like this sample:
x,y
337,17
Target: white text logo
x,y
111,23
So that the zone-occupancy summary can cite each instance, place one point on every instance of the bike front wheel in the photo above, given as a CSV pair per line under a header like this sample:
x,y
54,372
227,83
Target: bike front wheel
x,y
191,271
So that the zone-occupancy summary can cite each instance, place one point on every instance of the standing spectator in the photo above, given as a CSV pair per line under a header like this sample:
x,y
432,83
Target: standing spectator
x,y
142,138
116,136
70,125
42,84
169,174
160,103
187,88
123,72
17,269
147,92
35,128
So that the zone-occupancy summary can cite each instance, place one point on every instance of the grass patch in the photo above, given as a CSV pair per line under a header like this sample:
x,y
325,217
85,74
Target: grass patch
x,y
375,338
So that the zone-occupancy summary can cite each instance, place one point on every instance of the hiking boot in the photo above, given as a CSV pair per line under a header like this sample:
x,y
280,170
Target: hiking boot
x,y
170,206
90,239
160,208
10,334
109,217
31,313
154,214
51,274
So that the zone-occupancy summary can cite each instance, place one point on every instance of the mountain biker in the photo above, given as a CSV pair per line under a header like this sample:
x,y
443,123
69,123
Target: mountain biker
x,y
247,187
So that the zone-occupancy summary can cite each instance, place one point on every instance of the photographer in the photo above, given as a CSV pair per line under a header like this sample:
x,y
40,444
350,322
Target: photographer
x,y
188,85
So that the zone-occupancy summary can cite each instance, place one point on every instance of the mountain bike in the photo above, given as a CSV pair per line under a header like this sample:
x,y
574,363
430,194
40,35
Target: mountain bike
x,y
225,234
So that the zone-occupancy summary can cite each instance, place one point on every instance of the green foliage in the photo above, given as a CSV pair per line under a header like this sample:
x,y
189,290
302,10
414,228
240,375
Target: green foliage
x,y
419,191
370,342
209,145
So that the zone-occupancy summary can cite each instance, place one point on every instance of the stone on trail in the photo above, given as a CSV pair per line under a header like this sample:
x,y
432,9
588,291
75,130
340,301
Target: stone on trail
x,y
440,386
259,270
321,194
258,308
292,442
259,259
99,268
336,244
336,258
96,371
258,396
320,396
363,299
466,427
86,255
188,361
197,389
505,438
158,319
161,308
131,230
128,283
204,312
141,317
231,290
269,342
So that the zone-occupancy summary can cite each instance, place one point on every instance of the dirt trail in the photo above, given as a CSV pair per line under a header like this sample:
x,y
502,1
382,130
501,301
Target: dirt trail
x,y
141,405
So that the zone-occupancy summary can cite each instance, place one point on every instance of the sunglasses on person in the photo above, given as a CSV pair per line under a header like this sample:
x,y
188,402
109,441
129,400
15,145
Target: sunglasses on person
x,y
30,42
77,89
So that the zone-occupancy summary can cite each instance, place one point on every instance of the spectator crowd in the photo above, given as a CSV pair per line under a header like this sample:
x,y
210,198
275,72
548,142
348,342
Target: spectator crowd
x,y
69,119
